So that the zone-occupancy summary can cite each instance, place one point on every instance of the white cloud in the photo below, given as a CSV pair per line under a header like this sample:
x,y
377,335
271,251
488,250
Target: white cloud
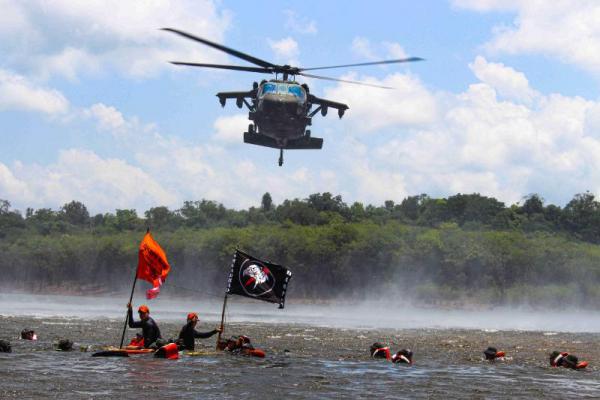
x,y
231,129
11,187
363,48
476,141
567,30
507,81
107,117
101,183
69,62
488,5
394,50
19,93
70,38
297,24
285,49
372,109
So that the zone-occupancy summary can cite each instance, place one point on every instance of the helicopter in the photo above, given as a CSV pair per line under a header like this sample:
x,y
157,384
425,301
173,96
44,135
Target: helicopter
x,y
280,109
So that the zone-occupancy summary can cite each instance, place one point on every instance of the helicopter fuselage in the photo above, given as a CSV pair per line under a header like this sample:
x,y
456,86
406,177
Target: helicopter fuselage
x,y
281,111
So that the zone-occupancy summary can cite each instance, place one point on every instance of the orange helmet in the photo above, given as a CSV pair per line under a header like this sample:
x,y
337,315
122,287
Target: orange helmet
x,y
144,309
192,316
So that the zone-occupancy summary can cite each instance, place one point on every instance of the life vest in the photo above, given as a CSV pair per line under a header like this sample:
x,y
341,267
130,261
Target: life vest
x,y
255,353
557,361
491,353
404,356
564,360
136,342
382,352
169,351
581,365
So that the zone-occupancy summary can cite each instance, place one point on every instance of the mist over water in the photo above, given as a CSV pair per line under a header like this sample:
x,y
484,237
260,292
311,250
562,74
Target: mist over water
x,y
340,314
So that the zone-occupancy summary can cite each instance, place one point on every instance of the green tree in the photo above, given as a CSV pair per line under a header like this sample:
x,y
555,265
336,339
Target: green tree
x,y
534,204
75,213
159,217
126,220
266,203
581,216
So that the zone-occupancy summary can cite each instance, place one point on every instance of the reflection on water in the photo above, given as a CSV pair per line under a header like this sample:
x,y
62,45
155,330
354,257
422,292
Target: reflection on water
x,y
303,361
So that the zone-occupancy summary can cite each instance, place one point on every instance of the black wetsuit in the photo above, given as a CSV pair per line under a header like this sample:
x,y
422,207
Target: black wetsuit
x,y
188,334
150,330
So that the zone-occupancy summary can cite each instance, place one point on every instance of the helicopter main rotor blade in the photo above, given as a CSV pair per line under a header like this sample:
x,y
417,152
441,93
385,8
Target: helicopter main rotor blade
x,y
343,80
221,66
400,60
235,53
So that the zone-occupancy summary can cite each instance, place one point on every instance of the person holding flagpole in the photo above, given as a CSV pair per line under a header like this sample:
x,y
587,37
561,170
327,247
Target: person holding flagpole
x,y
150,330
189,333
154,268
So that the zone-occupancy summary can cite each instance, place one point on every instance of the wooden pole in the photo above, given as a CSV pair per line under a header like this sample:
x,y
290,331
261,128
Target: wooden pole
x,y
127,315
222,320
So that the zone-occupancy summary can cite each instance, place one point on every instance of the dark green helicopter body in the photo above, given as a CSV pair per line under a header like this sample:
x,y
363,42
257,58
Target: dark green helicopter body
x,y
280,109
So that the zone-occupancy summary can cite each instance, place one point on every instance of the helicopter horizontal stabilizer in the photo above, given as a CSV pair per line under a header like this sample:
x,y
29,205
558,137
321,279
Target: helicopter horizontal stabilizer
x,y
306,143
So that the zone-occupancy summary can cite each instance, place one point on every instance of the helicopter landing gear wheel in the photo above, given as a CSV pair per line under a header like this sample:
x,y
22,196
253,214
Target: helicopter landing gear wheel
x,y
307,134
280,157
251,129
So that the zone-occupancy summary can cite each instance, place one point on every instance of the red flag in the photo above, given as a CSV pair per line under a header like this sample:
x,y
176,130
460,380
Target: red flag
x,y
152,265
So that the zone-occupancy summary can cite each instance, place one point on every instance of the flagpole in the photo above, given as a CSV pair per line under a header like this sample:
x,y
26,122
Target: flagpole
x,y
130,300
127,315
222,321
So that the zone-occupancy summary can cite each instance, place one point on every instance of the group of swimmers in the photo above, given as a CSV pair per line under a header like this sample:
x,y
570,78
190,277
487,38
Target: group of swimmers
x,y
150,338
405,356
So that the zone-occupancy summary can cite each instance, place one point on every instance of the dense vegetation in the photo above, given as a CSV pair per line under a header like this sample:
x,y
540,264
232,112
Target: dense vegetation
x,y
465,248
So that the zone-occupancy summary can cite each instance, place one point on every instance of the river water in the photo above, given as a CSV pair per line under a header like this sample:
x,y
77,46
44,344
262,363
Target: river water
x,y
312,352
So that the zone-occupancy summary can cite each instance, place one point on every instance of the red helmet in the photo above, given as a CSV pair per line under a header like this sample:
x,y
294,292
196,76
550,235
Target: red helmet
x,y
191,316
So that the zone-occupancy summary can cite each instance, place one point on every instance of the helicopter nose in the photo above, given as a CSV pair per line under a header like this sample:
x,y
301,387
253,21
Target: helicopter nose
x,y
280,104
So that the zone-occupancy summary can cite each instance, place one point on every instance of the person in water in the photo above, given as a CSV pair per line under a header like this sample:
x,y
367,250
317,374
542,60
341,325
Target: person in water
x,y
236,344
189,333
378,350
5,346
240,345
150,330
492,354
566,360
404,356
64,345
28,334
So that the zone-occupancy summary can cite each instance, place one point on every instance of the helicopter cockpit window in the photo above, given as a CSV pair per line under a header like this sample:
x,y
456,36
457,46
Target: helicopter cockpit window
x,y
269,88
296,91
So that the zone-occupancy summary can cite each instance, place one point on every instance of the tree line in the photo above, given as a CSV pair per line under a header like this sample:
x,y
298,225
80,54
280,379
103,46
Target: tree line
x,y
459,249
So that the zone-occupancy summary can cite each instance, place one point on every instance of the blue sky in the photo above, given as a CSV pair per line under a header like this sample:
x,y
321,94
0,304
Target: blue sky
x,y
505,104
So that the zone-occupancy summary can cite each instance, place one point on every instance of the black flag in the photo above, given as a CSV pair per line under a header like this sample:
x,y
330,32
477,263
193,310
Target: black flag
x,y
258,279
